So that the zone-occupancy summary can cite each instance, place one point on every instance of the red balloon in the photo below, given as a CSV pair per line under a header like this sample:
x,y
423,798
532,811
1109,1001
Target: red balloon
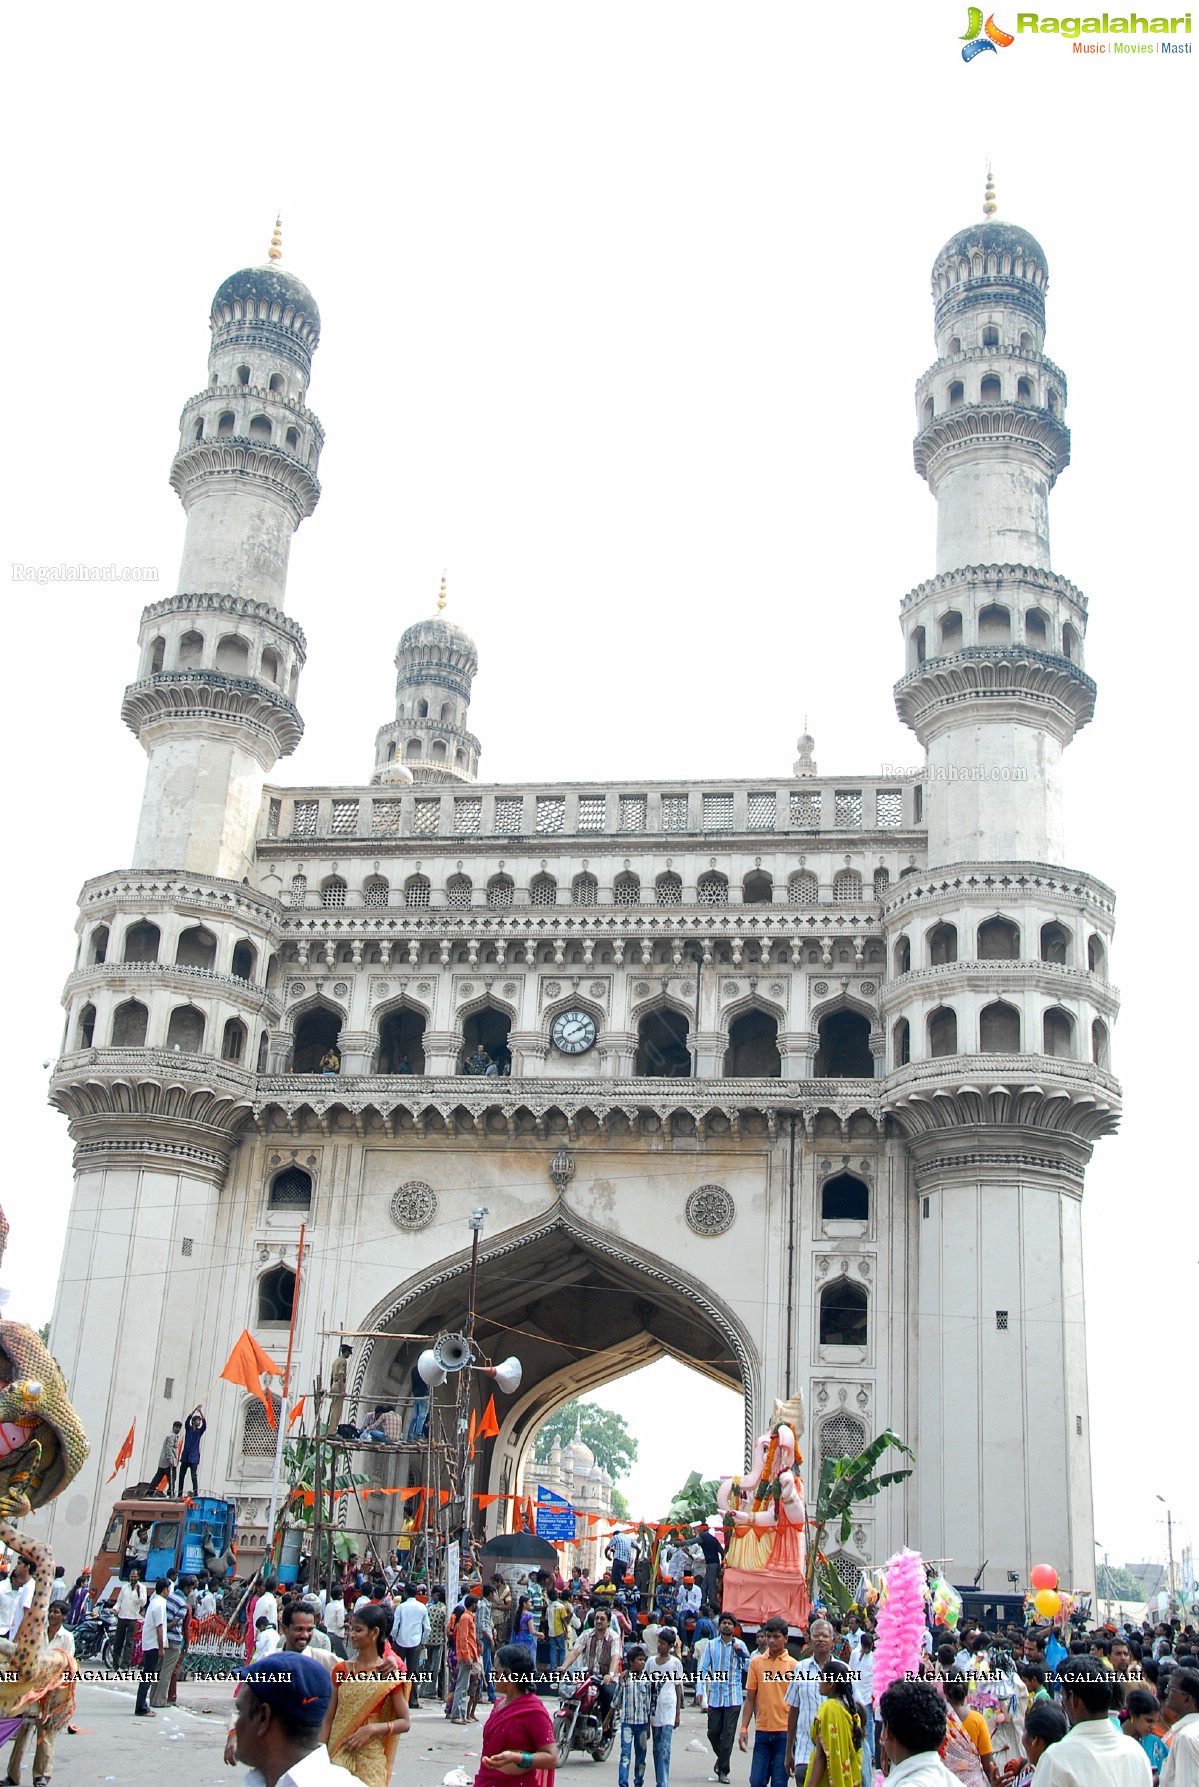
x,y
1043,1576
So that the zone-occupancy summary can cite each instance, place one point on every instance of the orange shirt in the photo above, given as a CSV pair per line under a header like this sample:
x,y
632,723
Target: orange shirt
x,y
977,1730
466,1645
769,1678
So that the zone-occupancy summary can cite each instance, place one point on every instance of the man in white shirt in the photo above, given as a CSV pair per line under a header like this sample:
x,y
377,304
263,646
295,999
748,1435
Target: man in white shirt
x,y
804,1696
129,1608
1093,1752
266,1606
666,1673
22,1583
410,1634
1181,1767
281,1706
154,1644
913,1721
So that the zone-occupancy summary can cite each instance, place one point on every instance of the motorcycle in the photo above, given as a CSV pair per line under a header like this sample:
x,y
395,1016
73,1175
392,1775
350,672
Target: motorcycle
x,y
578,1724
95,1636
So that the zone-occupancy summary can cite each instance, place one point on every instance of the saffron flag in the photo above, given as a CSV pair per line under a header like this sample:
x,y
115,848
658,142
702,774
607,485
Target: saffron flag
x,y
125,1453
472,1433
296,1413
489,1427
246,1365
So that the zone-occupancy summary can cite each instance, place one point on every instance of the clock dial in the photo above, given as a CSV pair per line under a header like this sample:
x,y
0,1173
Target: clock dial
x,y
573,1032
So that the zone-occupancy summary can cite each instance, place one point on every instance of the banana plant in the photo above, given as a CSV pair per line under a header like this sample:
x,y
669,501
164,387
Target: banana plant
x,y
299,1465
844,1484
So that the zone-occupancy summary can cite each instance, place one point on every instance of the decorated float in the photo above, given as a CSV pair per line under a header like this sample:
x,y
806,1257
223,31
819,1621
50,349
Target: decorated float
x,y
765,1566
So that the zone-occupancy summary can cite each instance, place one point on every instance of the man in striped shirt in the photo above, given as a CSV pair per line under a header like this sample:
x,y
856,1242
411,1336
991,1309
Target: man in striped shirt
x,y
722,1684
636,1694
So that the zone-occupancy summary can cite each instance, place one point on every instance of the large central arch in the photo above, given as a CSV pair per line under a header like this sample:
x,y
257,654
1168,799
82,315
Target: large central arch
x,y
578,1307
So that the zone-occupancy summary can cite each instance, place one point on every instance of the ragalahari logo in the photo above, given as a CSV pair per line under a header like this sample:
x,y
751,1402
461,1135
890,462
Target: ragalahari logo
x,y
978,37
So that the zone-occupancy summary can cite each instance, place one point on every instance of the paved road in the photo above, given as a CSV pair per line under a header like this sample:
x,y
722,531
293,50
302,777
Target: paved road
x,y
183,1746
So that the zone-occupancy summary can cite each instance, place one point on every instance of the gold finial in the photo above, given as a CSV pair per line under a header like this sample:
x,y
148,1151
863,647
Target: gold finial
x,y
441,596
990,206
275,251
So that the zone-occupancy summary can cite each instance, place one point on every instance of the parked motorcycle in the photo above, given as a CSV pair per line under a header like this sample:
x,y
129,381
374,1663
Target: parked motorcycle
x,y
578,1724
95,1636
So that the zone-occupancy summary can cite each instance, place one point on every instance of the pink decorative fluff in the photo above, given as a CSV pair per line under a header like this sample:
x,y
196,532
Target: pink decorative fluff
x,y
901,1622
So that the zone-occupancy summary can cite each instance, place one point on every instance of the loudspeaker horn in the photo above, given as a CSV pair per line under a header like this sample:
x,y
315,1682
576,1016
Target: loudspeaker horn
x,y
433,1373
507,1374
451,1351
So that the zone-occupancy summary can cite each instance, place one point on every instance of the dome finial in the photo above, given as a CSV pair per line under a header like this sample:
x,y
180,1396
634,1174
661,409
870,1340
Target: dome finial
x,y
441,596
275,251
990,205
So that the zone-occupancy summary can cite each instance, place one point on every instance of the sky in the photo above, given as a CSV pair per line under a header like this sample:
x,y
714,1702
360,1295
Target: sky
x,y
622,311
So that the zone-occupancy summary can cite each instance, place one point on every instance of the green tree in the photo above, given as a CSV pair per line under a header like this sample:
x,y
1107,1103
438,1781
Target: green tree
x,y
844,1483
619,1504
44,1331
1117,1584
695,1500
603,1429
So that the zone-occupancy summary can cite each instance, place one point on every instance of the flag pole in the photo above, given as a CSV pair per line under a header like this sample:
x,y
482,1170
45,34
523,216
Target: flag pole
x,y
282,1423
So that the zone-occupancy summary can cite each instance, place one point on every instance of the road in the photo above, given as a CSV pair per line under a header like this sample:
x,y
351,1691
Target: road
x,y
183,1746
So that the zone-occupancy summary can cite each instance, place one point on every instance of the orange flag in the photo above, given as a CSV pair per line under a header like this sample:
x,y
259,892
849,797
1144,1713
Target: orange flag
x,y
246,1365
125,1453
470,1438
296,1413
489,1427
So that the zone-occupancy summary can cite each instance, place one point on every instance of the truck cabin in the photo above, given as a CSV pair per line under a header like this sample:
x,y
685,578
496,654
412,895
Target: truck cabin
x,y
159,1536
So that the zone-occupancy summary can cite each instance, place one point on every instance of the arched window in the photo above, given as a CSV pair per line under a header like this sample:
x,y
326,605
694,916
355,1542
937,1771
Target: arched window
x,y
499,891
224,423
199,430
292,439
1057,1031
376,891
86,1029
668,890
847,888
276,383
99,944
129,1025
243,375
999,1029
543,891
158,654
662,1051
422,710
260,428
258,1437
989,390
447,713
141,942
196,948
1026,341
757,889
942,945
1036,629
926,412
882,881
233,1040
803,889
244,958
901,1043
233,655
990,336
753,1051
584,890
956,393
402,1042
917,650
844,1048
712,890
185,1030
1055,943
263,1049
412,749
417,890
333,891
271,666
1069,643
844,1199
626,890
276,1295
191,650
316,1033
843,1436
1096,956
291,1189
1099,1044
438,750
844,1314
1024,390
1055,402
998,941
955,345
485,1034
299,889
903,956
943,1031
994,625
459,890
951,631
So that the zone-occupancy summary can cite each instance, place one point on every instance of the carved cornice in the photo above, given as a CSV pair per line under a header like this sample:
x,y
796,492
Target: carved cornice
x,y
1009,350
995,884
209,602
1068,1162
1053,978
992,578
1040,1092
1015,674
235,457
179,1157
191,695
221,393
176,975
146,890
970,426
136,1095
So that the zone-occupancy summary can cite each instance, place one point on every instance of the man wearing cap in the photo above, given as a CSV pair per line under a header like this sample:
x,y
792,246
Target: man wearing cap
x,y
337,1387
281,1707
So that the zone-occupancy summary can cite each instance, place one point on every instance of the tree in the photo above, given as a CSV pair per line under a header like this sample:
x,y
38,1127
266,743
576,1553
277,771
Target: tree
x,y
619,1504
603,1429
694,1501
1116,1584
844,1483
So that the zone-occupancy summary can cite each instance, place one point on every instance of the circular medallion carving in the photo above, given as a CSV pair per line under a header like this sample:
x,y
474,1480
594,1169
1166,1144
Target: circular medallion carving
x,y
641,989
382,990
820,987
552,989
710,1210
868,987
414,1205
598,989
777,989
296,988
423,986
466,989
731,987
340,989
510,989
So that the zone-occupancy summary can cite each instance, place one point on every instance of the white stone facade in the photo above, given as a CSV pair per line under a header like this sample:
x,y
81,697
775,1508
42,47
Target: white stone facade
x,y
797,1078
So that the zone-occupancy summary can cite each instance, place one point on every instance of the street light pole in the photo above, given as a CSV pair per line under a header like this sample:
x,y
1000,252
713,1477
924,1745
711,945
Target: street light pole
x,y
1170,1589
467,1471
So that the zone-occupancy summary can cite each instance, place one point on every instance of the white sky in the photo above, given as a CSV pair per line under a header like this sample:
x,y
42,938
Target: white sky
x,y
623,307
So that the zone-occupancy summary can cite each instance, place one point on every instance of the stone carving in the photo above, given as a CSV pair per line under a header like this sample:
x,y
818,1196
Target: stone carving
x,y
868,987
641,990
710,1210
510,989
820,988
413,1205
296,988
552,988
340,989
598,989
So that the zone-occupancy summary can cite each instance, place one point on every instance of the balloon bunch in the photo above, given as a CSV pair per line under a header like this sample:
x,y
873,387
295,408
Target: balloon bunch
x,y
1046,1599
901,1622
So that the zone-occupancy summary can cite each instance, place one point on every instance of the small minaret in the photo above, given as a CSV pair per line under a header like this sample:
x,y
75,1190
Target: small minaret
x,y
214,704
428,740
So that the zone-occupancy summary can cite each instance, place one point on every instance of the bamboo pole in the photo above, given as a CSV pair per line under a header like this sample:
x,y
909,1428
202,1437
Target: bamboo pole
x,y
282,1424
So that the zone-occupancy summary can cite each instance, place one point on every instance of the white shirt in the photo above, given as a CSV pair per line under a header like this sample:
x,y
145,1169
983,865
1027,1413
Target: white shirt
x,y
1094,1754
131,1600
925,1769
8,1596
335,1618
154,1623
21,1599
313,1770
804,1694
266,1642
410,1627
63,1640
205,1604
1181,1767
665,1675
266,1607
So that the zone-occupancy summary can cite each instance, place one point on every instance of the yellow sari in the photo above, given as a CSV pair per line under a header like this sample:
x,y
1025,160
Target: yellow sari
x,y
833,1729
362,1700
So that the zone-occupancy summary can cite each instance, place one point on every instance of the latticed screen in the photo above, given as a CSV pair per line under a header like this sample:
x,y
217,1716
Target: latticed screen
x,y
718,812
841,1435
303,819
668,890
426,816
632,812
760,812
847,887
882,881
593,812
291,1189
499,893
674,812
345,818
375,893
510,813
551,814
847,808
888,807
848,1569
543,891
626,890
258,1436
417,892
385,819
805,808
468,815
333,893
804,889
713,890
272,818
585,890
458,891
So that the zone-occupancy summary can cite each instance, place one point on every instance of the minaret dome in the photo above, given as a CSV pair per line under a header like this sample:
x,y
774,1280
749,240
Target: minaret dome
x,y
436,661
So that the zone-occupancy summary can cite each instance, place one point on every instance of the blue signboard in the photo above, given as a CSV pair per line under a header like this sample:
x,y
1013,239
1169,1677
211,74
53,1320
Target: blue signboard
x,y
555,1516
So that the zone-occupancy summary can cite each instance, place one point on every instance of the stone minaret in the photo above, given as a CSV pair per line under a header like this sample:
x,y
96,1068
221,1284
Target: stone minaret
x,y
214,703
428,741
997,1005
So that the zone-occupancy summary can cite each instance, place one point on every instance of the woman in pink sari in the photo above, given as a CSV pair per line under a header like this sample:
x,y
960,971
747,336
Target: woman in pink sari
x,y
518,1738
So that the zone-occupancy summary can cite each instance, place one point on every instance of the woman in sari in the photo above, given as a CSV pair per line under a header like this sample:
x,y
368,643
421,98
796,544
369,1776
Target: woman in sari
x,y
524,1630
966,1751
837,1731
518,1738
368,1713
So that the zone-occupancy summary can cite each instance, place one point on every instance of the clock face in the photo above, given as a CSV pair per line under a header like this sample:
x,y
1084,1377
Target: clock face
x,y
573,1032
